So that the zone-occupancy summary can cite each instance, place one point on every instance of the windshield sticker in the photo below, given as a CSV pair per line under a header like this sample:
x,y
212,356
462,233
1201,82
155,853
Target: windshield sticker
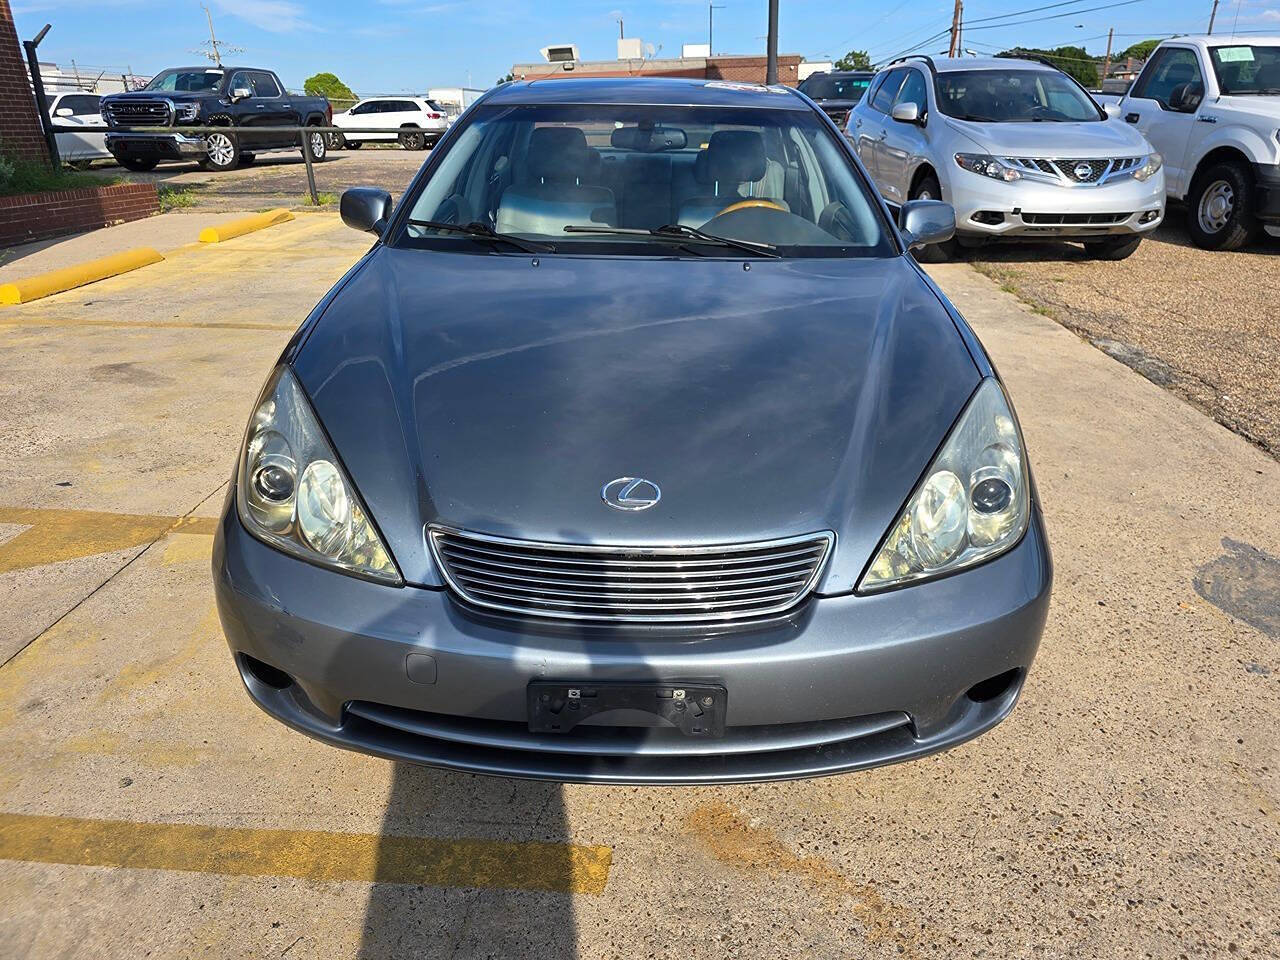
x,y
1235,54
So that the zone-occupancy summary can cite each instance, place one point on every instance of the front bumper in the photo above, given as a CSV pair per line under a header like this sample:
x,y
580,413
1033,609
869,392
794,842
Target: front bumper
x,y
844,683
159,146
1026,209
1267,204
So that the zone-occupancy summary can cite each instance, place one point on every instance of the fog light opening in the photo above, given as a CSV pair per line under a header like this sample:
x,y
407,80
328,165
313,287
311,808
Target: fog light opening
x,y
991,218
265,673
1149,216
993,687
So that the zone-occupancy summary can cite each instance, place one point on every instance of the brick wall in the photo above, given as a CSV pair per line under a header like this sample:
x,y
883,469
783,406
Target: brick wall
x,y
35,216
20,134
753,69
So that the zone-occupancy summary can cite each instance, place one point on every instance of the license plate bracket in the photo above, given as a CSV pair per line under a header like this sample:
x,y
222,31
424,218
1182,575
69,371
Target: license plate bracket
x,y
696,709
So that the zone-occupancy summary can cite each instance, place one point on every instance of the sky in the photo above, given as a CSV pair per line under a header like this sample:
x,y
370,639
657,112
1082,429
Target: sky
x,y
386,46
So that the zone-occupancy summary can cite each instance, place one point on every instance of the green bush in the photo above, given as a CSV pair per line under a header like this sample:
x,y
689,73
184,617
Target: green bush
x,y
18,175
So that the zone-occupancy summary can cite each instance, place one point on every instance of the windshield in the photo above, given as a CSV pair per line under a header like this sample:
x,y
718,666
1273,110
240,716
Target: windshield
x,y
772,177
186,81
1247,69
1014,96
835,88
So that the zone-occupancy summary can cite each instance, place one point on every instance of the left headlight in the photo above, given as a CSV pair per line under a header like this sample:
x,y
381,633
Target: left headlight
x,y
973,503
186,112
293,494
1149,167
987,166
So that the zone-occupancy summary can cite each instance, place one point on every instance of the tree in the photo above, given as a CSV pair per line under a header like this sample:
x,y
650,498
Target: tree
x,y
854,60
1139,51
507,79
327,85
1073,61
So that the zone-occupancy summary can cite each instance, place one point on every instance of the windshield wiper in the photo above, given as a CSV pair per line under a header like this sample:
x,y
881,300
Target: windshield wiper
x,y
481,231
679,233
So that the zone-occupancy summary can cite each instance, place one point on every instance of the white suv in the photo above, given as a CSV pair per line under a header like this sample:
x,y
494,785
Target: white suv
x,y
415,122
1211,106
1017,147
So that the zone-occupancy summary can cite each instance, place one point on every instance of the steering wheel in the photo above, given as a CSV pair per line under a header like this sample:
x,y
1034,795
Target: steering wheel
x,y
750,204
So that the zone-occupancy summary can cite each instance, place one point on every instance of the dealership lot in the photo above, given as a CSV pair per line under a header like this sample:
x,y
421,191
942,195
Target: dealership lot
x,y
1129,807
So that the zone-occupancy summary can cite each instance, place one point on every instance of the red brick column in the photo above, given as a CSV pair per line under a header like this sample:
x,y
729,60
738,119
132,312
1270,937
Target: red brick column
x,y
20,134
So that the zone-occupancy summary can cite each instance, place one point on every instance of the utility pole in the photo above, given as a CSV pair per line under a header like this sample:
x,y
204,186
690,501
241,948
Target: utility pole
x,y
1106,62
711,19
213,38
955,29
1212,14
771,67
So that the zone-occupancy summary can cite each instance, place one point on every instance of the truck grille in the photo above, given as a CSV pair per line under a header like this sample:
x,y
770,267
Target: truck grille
x,y
139,113
630,584
1096,170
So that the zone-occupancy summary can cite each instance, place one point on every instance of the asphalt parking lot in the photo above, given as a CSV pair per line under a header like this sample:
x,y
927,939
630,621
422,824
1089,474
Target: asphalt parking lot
x,y
1130,807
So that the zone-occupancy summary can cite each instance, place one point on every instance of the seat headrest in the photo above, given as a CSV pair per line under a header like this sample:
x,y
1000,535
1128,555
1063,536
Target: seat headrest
x,y
701,171
559,154
736,156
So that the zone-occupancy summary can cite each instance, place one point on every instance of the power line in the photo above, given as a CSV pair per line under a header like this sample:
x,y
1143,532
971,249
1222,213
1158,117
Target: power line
x,y
1056,16
1023,13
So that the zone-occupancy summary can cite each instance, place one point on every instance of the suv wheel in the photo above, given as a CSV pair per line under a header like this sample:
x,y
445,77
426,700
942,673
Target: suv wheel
x,y
1113,248
929,189
337,141
137,164
413,140
223,152
1220,208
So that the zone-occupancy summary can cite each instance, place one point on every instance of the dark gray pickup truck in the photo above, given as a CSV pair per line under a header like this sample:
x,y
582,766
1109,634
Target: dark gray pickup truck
x,y
235,103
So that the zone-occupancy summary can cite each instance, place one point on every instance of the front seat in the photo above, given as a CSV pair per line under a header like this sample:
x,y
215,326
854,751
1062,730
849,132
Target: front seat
x,y
734,159
553,193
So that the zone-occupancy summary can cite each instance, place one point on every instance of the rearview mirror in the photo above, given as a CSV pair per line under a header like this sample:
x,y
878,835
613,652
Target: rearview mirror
x,y
63,112
924,222
648,139
906,112
241,93
366,209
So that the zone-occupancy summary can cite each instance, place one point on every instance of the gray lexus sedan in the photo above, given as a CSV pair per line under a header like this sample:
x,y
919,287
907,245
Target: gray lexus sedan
x,y
637,449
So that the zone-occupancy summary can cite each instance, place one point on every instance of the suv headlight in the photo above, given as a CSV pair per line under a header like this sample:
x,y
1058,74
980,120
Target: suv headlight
x,y
293,494
987,166
973,503
1149,167
186,112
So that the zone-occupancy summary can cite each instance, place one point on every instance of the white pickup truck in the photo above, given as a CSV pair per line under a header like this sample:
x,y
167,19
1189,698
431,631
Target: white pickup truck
x,y
1211,106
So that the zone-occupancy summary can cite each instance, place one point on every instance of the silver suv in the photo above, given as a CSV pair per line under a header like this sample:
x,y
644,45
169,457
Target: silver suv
x,y
1017,147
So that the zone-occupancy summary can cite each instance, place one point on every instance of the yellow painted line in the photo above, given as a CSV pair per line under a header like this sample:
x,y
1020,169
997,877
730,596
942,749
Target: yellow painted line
x,y
306,854
57,535
68,278
29,321
238,228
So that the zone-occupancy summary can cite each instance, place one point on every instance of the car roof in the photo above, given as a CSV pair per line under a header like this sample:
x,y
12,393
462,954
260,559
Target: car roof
x,y
842,73
952,64
647,91
1226,40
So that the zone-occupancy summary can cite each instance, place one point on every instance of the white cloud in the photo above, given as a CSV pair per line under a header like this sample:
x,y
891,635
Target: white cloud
x,y
274,16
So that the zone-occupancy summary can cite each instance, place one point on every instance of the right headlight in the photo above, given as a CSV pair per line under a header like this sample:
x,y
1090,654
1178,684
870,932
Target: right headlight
x,y
987,166
293,494
973,503
1149,167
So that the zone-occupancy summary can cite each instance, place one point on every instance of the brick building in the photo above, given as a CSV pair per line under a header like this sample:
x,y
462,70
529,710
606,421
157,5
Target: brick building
x,y
749,68
20,134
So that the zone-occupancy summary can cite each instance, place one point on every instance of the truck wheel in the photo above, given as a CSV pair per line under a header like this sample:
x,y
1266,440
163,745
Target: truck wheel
x,y
1113,248
412,140
319,146
353,144
1220,208
137,164
929,189
223,153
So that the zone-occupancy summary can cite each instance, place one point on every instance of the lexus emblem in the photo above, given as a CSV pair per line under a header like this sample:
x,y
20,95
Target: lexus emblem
x,y
1083,171
630,493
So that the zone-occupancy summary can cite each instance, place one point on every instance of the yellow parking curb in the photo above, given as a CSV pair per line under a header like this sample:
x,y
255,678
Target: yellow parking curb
x,y
68,278
237,228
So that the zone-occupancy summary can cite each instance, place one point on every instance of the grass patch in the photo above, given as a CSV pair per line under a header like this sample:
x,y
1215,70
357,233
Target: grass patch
x,y
25,176
326,199
176,198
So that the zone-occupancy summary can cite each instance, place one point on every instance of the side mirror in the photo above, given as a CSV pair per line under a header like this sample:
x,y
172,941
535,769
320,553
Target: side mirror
x,y
1112,110
365,209
63,112
906,112
1185,97
241,93
924,222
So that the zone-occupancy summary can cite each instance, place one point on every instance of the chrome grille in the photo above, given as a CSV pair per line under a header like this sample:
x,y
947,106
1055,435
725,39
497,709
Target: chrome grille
x,y
139,113
1099,170
630,584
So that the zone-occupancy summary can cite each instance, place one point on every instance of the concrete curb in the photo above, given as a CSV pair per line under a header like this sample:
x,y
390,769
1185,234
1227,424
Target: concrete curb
x,y
68,278
237,228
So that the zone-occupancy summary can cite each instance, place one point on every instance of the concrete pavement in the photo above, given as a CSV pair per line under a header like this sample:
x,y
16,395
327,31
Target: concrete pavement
x,y
1129,807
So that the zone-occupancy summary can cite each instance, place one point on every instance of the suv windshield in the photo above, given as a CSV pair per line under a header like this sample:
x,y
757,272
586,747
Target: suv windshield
x,y
186,81
827,87
612,173
1247,69
1014,96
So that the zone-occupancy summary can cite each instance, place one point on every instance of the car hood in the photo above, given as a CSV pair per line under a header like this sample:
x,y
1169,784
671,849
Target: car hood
x,y
499,393
175,96
1066,140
